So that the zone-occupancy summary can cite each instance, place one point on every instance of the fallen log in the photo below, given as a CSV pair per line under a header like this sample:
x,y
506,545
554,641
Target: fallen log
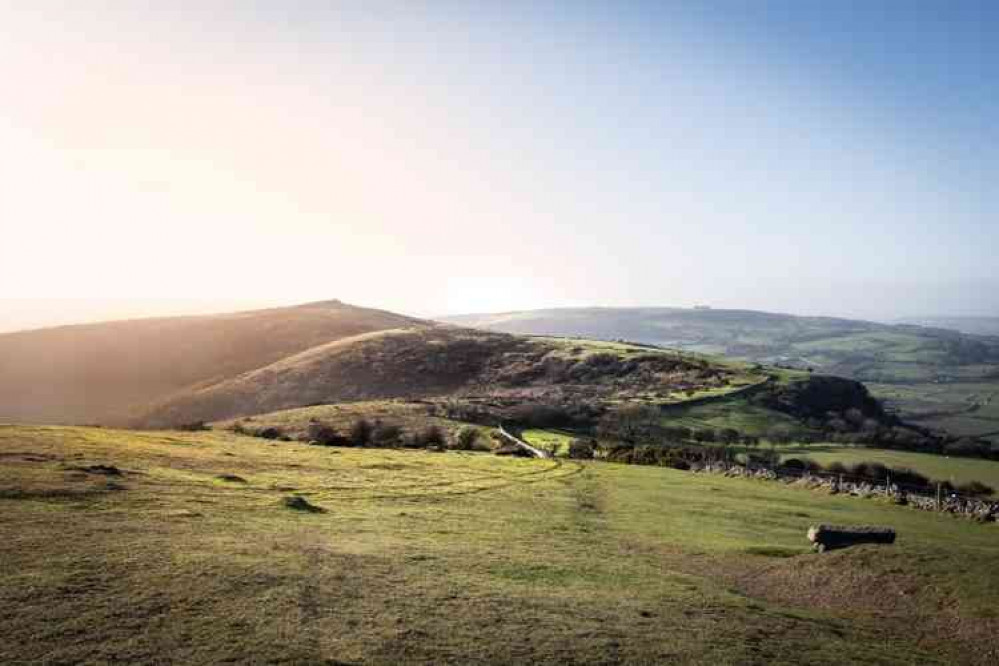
x,y
827,537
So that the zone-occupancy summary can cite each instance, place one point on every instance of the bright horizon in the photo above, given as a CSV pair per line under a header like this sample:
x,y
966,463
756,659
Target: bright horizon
x,y
432,160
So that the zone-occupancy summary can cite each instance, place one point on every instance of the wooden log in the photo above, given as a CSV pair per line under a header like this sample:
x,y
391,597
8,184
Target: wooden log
x,y
827,537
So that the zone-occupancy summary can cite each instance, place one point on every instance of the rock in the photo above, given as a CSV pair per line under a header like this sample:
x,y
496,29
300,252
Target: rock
x,y
827,537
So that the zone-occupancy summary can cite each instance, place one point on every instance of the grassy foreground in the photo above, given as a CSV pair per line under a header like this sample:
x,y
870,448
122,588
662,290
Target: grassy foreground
x,y
190,555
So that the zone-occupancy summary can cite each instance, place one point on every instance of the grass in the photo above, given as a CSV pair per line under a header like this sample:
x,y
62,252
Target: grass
x,y
419,557
936,467
737,413
555,441
962,408
410,416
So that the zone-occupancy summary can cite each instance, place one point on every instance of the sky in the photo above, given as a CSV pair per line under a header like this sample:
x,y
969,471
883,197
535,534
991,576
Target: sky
x,y
444,157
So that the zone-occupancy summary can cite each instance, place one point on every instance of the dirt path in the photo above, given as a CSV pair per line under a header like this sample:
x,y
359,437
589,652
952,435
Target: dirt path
x,y
537,453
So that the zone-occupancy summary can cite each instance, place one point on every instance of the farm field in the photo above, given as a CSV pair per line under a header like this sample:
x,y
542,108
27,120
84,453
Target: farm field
x,y
180,547
736,413
555,441
939,468
962,408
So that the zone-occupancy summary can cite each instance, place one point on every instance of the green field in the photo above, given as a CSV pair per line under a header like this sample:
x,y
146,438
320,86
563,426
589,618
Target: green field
x,y
963,408
737,413
190,555
937,467
555,441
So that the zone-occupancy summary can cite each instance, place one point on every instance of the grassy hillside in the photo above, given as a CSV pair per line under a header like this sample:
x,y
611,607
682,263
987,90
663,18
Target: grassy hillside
x,y
438,361
190,555
103,373
959,369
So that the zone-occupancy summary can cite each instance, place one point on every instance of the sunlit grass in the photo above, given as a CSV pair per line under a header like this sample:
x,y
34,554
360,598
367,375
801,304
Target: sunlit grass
x,y
439,557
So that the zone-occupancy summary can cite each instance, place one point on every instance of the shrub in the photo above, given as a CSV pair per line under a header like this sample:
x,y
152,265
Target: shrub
x,y
431,436
909,478
467,438
270,433
385,434
323,434
975,489
620,453
360,432
582,449
801,466
196,426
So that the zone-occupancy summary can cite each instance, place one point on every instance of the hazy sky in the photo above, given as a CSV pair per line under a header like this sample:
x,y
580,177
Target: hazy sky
x,y
440,157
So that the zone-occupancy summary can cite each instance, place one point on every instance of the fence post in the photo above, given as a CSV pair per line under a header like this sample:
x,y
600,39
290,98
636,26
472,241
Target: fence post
x,y
939,496
888,484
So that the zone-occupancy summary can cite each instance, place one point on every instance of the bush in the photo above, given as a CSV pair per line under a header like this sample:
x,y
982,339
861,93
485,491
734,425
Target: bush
x,y
907,478
837,468
467,438
323,434
270,433
582,449
360,432
801,466
196,426
975,489
385,435
431,436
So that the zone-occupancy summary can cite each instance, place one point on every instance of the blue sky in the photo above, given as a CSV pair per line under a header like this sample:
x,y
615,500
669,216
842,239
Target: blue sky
x,y
437,157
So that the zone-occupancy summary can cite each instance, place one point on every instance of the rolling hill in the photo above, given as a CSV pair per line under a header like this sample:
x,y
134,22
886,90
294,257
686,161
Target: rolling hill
x,y
443,361
108,372
940,377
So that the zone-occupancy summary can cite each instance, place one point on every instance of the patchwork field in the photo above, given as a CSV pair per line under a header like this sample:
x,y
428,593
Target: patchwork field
x,y
963,408
184,548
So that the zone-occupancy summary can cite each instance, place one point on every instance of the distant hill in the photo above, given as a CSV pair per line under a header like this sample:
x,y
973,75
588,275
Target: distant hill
x,y
443,361
972,325
861,350
106,373
941,377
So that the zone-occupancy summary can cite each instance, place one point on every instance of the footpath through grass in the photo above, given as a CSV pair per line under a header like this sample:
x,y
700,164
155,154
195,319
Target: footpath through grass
x,y
168,547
